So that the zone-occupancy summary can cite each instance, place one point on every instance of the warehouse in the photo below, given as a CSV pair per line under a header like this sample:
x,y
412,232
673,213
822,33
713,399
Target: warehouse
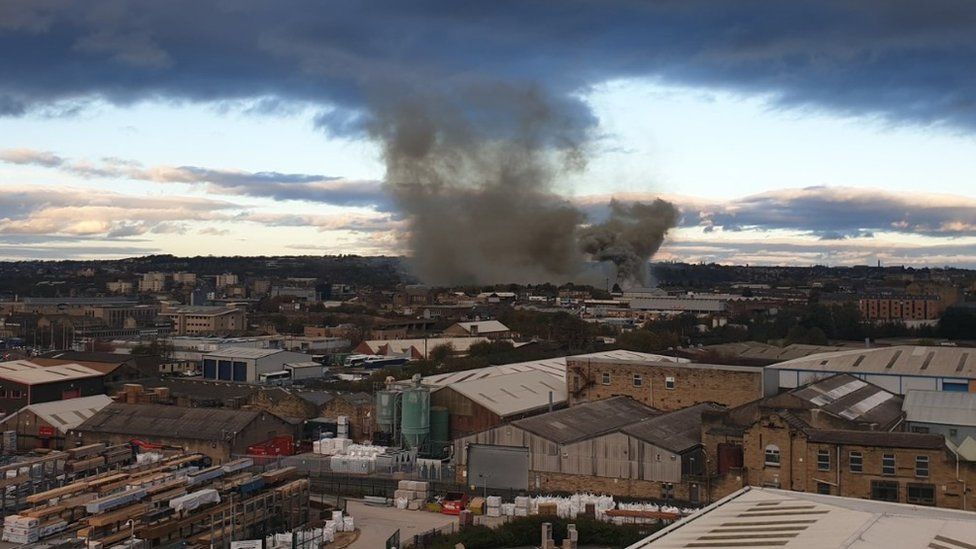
x,y
214,432
247,364
898,369
615,446
481,403
45,425
23,382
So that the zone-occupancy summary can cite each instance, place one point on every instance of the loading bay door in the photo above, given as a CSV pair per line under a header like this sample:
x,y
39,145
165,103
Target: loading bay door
x,y
502,467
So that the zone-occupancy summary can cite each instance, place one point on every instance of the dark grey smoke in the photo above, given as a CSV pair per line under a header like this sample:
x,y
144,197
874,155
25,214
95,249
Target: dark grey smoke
x,y
630,236
475,176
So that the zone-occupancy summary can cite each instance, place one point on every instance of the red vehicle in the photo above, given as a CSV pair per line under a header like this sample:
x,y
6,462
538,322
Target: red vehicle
x,y
453,503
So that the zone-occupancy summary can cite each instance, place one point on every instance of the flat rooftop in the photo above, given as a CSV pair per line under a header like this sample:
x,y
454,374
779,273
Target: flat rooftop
x,y
766,517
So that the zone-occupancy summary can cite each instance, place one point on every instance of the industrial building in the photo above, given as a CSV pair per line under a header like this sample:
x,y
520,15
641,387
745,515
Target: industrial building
x,y
766,517
898,369
247,364
946,413
23,383
481,403
663,385
46,425
416,349
835,436
615,446
206,320
492,329
214,432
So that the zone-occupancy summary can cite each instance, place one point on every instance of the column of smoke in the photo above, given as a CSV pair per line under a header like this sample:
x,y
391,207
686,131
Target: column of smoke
x,y
475,179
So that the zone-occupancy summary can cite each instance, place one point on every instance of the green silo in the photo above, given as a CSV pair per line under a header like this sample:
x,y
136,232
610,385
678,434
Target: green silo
x,y
415,417
440,428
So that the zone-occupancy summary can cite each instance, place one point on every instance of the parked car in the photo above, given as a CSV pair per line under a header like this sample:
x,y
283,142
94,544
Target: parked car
x,y
453,503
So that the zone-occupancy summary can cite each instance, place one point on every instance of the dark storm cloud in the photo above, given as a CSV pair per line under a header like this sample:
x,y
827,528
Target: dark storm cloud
x,y
897,59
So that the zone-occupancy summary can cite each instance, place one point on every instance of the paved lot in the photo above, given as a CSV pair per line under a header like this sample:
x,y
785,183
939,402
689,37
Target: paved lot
x,y
376,524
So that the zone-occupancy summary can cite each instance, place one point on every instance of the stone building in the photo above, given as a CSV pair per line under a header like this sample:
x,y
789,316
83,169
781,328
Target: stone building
x,y
661,385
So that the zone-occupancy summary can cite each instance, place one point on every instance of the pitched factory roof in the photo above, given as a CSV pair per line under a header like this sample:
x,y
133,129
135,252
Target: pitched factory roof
x,y
514,393
153,420
767,517
677,431
942,407
422,346
555,367
67,414
26,372
957,362
483,327
587,420
850,398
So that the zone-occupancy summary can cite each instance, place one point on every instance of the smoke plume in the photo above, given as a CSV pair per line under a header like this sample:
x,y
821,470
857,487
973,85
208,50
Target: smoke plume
x,y
630,236
474,174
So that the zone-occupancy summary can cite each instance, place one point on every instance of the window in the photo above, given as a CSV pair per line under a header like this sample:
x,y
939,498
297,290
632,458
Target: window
x,y
823,488
606,378
921,466
772,455
669,383
953,433
15,393
919,429
638,380
921,494
823,460
888,464
884,490
3,393
856,461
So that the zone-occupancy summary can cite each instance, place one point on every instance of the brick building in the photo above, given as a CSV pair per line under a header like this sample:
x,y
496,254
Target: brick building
x,y
206,320
661,385
836,436
900,307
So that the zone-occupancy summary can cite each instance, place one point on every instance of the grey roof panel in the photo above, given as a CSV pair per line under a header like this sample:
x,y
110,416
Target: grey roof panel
x,y
942,407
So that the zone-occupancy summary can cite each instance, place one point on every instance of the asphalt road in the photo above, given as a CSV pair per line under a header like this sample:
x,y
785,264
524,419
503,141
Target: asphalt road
x,y
376,523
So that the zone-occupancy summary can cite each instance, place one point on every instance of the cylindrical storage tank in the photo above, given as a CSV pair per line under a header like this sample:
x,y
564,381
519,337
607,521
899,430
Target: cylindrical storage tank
x,y
385,411
415,416
439,430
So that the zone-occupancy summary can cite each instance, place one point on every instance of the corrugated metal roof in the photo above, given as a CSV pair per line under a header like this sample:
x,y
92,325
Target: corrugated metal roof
x,y
676,431
403,346
243,352
763,517
514,393
68,414
555,367
952,362
848,397
587,420
153,420
942,407
28,373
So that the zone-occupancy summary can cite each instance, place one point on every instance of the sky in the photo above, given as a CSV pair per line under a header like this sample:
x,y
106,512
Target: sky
x,y
796,133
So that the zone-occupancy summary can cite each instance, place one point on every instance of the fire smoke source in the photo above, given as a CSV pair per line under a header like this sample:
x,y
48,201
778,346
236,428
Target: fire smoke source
x,y
474,177
630,236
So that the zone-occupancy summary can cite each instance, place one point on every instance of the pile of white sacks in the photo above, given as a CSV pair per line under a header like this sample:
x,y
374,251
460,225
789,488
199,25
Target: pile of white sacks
x,y
571,506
